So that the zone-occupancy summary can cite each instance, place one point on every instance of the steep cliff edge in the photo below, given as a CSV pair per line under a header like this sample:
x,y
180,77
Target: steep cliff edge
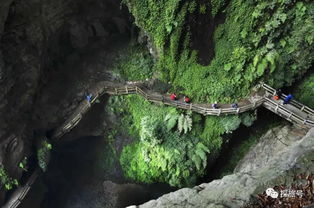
x,y
281,153
47,47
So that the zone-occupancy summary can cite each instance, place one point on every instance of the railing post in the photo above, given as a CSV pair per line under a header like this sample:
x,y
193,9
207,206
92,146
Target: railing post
x,y
219,112
289,115
238,110
126,89
116,91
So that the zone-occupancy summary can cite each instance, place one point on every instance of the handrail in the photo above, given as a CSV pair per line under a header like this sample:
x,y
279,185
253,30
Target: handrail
x,y
103,87
119,89
21,192
295,103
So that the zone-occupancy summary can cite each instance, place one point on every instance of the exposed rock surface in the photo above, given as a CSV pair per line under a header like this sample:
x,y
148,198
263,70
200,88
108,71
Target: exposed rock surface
x,y
46,47
282,153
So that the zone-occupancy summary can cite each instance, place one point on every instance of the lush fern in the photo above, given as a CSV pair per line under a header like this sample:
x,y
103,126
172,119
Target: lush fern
x,y
187,126
230,123
149,132
171,119
181,123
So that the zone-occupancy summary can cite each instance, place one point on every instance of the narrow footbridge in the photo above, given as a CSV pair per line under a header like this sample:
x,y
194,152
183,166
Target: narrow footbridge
x,y
294,112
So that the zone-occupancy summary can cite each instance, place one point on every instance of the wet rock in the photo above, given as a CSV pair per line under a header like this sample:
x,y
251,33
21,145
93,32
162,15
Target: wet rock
x,y
275,140
98,29
120,195
78,35
39,85
279,164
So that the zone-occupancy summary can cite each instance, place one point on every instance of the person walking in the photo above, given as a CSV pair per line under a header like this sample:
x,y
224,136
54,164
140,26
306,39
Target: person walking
x,y
287,99
187,99
215,105
234,105
89,97
173,96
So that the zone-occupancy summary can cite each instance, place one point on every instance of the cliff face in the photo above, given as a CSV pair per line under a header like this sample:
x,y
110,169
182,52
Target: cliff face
x,y
41,44
280,154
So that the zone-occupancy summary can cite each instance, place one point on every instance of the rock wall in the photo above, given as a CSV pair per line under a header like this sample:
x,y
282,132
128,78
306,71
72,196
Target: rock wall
x,y
281,153
40,43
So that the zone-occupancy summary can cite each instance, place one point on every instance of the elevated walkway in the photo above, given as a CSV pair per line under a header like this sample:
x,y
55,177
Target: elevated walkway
x,y
294,112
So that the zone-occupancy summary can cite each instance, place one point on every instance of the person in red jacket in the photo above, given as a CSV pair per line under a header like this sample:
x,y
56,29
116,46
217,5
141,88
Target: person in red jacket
x,y
173,96
187,99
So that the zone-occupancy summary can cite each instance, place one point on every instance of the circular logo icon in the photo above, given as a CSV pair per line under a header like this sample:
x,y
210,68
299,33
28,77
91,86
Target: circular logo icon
x,y
272,193
269,191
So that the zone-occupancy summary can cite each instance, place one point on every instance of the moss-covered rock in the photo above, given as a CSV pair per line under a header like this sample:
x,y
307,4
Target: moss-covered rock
x,y
269,40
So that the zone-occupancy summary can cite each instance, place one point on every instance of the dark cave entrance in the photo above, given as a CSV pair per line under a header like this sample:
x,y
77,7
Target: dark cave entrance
x,y
202,25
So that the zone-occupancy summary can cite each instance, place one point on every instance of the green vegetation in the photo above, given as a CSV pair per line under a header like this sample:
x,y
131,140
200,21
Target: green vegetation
x,y
183,122
134,64
259,40
240,150
23,164
231,123
170,145
157,18
216,6
305,91
43,154
269,41
6,180
160,152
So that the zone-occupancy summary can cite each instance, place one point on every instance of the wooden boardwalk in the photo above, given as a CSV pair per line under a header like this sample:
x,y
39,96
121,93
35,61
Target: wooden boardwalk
x,y
19,194
294,112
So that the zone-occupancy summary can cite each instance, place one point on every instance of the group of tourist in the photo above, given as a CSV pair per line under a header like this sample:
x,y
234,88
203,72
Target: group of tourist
x,y
186,99
286,100
277,96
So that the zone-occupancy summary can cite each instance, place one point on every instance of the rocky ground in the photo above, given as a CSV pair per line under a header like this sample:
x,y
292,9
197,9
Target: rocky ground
x,y
281,153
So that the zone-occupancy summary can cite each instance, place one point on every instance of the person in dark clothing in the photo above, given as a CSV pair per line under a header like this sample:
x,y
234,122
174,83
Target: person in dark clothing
x,y
89,97
287,99
234,105
215,105
278,93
